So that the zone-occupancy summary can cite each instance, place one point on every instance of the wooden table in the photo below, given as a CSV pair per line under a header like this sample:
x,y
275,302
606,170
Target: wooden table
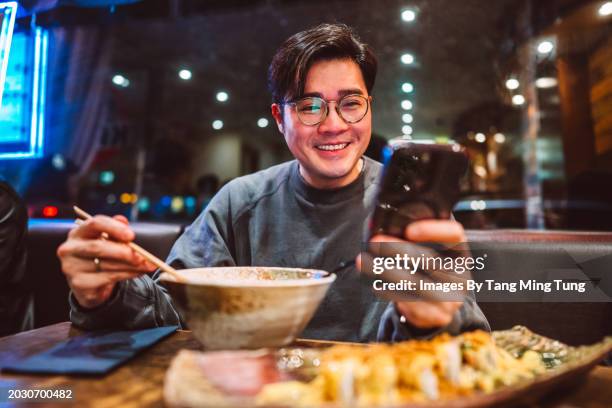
x,y
139,382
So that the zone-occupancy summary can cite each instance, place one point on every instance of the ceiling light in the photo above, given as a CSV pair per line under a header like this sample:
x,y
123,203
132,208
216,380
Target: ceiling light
x,y
407,87
407,129
407,118
217,124
408,15
499,138
407,59
262,122
518,100
222,96
545,47
58,161
184,74
546,82
605,9
406,104
512,84
480,137
120,80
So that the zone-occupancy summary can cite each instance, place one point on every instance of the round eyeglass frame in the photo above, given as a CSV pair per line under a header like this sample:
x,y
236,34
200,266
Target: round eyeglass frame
x,y
326,104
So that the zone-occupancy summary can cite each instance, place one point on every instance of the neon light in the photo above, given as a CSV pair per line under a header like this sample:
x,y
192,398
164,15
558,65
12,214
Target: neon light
x,y
34,119
6,36
38,149
39,83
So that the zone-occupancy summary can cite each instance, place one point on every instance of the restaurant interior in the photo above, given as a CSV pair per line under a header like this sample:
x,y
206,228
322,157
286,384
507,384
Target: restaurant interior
x,y
147,108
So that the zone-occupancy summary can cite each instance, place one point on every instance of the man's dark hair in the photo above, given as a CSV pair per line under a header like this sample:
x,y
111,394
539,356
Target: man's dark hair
x,y
290,65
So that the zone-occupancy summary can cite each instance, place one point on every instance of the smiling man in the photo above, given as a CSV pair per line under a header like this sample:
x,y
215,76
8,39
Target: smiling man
x,y
328,142
311,212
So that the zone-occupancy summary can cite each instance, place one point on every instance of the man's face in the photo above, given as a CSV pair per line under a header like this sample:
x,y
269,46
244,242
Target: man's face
x,y
320,166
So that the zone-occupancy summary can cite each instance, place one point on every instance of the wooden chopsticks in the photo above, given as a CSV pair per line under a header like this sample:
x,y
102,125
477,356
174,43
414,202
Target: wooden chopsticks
x,y
146,254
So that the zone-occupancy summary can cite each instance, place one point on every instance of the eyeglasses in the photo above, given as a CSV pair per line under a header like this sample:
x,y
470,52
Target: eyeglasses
x,y
313,110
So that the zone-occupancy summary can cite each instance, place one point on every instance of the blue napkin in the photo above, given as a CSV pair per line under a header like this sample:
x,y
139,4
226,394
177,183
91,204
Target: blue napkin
x,y
91,353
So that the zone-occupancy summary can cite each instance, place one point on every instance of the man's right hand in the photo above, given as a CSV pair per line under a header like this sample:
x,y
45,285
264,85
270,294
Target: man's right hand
x,y
92,282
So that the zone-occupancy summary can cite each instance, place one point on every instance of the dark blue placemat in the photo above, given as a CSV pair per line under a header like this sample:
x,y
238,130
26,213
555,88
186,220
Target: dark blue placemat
x,y
91,353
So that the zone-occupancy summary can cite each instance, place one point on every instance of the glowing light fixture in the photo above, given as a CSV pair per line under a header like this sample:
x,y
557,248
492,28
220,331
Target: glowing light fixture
x,y
407,87
499,138
546,47
407,118
190,201
177,204
512,84
407,59
407,130
58,162
480,137
408,15
518,100
49,211
184,74
478,205
406,104
605,9
144,204
217,124
9,11
262,122
118,79
222,96
546,82
107,177
121,81
32,146
125,198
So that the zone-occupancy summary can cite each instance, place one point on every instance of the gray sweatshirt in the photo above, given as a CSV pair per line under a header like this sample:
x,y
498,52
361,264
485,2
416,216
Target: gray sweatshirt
x,y
274,218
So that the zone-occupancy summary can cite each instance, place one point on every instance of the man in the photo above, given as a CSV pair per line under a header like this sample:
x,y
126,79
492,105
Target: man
x,y
308,213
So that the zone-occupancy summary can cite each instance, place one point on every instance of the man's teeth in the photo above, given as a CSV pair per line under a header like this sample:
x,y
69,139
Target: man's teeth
x,y
332,147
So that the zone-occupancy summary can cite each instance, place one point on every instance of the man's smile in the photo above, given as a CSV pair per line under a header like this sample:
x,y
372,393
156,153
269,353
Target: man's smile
x,y
332,147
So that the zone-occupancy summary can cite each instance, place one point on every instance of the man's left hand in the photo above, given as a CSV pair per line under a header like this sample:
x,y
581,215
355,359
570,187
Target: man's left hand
x,y
428,314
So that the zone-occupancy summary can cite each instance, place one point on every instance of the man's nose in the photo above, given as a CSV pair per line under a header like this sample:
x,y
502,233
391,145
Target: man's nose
x,y
333,123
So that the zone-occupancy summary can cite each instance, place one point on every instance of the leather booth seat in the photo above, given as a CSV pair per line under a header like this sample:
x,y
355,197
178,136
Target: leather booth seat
x,y
573,323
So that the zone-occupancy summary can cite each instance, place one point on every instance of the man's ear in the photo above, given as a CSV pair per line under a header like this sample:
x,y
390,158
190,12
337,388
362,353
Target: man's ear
x,y
277,113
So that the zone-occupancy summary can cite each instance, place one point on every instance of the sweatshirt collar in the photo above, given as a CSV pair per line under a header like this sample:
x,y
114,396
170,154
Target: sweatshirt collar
x,y
327,196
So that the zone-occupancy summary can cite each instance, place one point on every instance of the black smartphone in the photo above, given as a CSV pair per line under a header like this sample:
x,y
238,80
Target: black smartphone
x,y
421,180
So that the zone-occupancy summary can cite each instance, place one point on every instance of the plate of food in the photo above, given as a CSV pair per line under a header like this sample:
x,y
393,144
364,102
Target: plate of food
x,y
474,369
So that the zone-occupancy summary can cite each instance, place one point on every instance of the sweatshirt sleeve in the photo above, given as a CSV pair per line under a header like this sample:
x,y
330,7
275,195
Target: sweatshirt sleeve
x,y
135,304
393,327
143,302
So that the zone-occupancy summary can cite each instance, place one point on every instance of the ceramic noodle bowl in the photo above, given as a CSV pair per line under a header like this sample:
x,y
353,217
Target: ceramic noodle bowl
x,y
248,307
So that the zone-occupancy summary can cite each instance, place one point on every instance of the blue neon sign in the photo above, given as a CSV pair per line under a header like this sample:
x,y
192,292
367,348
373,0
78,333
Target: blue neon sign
x,y
8,12
23,104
